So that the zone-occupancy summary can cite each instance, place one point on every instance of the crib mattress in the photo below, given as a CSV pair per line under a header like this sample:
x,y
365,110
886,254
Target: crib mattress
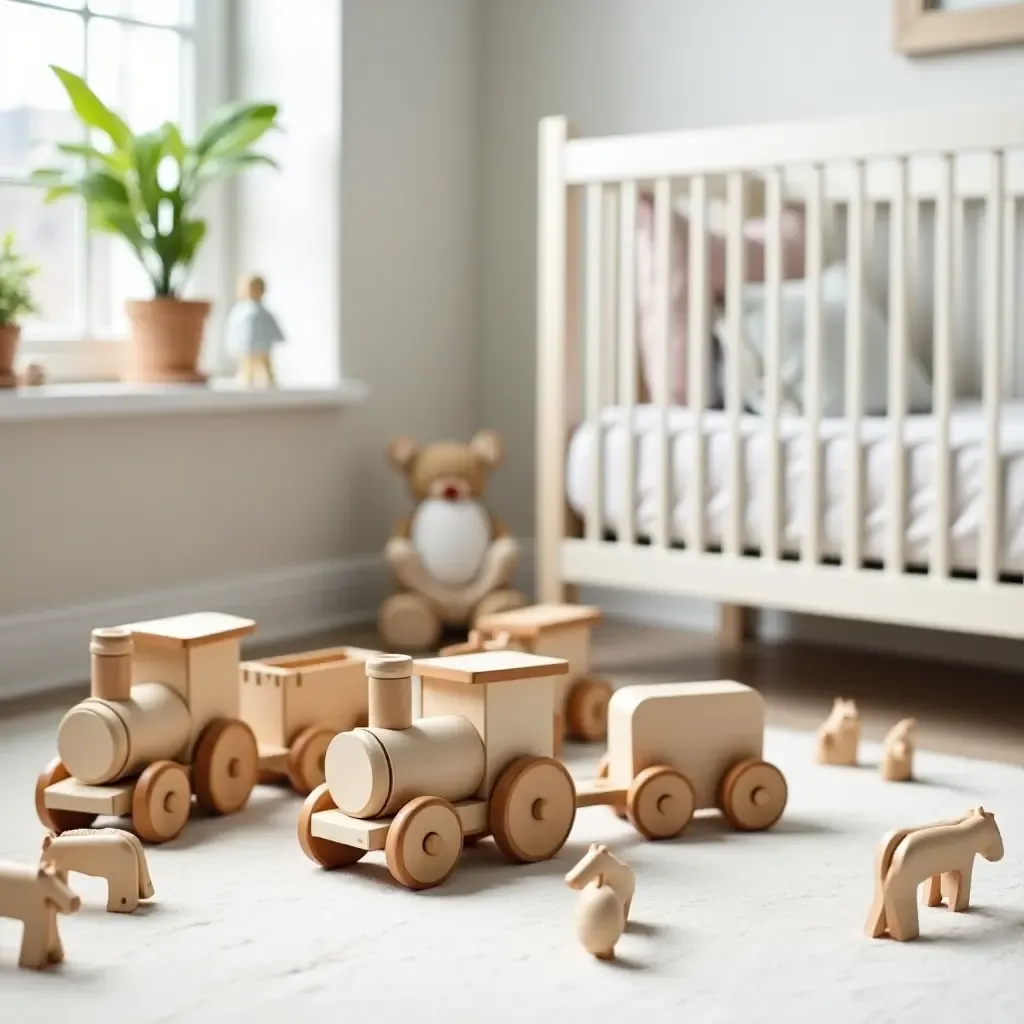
x,y
967,480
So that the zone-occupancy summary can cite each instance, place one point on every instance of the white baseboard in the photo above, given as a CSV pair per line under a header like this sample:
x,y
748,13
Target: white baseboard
x,y
41,651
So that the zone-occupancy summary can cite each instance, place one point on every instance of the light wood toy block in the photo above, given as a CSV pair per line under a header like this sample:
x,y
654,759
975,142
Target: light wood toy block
x,y
838,737
109,853
940,855
161,725
560,631
898,752
35,894
296,704
675,748
477,761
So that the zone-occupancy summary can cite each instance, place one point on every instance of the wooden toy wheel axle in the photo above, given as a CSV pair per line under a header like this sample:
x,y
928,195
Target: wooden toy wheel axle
x,y
533,808
753,795
660,803
424,843
226,766
161,802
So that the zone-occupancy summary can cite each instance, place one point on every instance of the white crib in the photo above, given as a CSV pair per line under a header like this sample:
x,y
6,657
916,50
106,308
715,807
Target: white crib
x,y
903,516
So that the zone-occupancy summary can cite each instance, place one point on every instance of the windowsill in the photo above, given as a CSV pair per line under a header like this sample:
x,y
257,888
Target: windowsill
x,y
75,401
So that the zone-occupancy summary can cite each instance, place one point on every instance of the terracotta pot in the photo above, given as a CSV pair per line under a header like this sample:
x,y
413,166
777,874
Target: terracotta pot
x,y
10,335
167,337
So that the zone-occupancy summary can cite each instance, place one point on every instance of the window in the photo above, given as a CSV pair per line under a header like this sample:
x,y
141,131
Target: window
x,y
143,58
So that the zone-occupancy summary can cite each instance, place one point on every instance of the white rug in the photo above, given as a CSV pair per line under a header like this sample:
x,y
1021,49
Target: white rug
x,y
728,927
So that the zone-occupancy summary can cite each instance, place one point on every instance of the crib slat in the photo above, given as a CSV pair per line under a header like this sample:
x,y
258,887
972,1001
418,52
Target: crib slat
x,y
610,296
699,343
992,367
942,364
593,357
627,354
1009,295
736,273
662,292
812,366
772,363
898,344
854,399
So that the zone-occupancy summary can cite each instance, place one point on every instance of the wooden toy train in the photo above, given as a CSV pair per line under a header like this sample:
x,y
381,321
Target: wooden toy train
x,y
173,714
479,762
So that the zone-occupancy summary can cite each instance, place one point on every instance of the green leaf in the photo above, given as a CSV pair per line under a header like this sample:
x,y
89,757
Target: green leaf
x,y
222,167
235,127
174,144
113,161
193,232
147,153
101,187
92,110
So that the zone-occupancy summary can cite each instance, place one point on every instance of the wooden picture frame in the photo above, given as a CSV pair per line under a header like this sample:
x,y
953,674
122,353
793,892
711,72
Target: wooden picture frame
x,y
922,27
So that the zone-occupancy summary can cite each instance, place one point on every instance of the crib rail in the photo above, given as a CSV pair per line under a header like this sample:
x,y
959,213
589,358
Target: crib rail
x,y
916,222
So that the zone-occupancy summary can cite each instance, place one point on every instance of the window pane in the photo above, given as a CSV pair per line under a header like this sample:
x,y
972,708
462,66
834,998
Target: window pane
x,y
47,235
115,275
156,12
34,111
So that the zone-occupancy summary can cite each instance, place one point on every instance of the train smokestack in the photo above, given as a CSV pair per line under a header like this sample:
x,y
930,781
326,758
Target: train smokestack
x,y
111,651
390,691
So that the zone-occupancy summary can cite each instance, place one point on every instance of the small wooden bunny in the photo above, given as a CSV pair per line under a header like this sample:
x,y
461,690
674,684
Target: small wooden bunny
x,y
839,735
252,331
898,752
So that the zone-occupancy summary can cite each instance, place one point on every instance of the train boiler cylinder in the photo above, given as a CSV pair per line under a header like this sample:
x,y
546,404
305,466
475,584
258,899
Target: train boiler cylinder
x,y
120,728
374,772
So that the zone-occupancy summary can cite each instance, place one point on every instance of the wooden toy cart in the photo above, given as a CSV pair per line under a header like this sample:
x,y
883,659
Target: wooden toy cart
x,y
555,631
677,748
296,704
161,725
477,762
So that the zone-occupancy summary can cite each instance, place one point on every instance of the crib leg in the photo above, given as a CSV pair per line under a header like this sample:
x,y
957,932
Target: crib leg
x,y
735,624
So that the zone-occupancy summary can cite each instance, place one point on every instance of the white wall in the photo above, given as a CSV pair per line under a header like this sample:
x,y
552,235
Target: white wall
x,y
650,65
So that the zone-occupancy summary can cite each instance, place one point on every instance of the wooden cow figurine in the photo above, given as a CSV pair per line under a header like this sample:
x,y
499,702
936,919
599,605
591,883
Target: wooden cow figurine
x,y
109,853
35,895
898,752
839,735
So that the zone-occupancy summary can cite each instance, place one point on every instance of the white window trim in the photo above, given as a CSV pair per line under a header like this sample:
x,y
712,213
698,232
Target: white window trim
x,y
83,358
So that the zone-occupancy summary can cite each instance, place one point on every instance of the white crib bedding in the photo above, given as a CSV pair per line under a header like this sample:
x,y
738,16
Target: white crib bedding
x,y
967,479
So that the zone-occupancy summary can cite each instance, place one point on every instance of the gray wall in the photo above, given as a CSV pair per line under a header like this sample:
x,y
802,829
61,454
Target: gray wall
x,y
649,65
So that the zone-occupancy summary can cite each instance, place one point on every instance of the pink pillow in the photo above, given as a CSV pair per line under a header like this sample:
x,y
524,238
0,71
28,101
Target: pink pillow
x,y
793,243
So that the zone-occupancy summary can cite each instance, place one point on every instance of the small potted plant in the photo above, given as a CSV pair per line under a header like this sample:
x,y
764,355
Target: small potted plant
x,y
15,302
145,189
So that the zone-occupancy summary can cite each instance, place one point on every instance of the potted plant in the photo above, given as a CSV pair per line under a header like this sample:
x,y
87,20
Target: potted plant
x,y
145,188
15,302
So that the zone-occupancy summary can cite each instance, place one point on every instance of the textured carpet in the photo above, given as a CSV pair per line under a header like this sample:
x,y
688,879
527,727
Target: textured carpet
x,y
727,927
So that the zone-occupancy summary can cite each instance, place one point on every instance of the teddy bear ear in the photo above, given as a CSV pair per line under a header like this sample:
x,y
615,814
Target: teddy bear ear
x,y
401,452
488,447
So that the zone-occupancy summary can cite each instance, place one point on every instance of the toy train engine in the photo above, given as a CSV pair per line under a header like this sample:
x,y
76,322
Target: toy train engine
x,y
478,762
161,725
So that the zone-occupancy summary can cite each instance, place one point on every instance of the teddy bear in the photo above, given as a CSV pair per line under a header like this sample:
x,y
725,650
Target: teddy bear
x,y
452,560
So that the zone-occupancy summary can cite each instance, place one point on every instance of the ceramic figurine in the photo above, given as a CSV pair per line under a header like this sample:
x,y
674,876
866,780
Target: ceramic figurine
x,y
252,332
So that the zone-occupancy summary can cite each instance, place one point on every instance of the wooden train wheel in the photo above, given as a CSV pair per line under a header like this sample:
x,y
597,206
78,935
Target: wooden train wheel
x,y
52,819
533,807
753,795
161,802
587,710
424,842
306,759
323,851
226,766
660,803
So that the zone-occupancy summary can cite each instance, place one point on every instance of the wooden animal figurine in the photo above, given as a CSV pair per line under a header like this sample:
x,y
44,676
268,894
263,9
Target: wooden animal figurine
x,y
941,854
600,864
677,748
451,559
252,332
35,895
109,853
599,918
898,752
839,735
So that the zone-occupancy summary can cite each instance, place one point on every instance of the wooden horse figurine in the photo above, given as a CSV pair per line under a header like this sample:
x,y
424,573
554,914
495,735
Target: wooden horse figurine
x,y
606,887
109,853
942,855
898,752
35,895
839,735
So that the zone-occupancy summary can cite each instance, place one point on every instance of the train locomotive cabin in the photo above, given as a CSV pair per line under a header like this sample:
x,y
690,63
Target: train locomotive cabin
x,y
478,762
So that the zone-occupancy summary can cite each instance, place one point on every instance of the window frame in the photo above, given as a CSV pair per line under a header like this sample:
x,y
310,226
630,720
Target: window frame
x,y
83,356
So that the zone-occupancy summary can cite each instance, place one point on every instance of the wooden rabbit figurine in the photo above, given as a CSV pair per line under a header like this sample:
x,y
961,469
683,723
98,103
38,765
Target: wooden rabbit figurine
x,y
898,752
839,735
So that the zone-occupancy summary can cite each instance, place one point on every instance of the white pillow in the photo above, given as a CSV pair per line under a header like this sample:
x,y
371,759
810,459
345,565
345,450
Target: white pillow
x,y
833,350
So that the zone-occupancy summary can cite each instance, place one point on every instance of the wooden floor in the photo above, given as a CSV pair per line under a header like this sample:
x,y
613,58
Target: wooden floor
x,y
961,710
